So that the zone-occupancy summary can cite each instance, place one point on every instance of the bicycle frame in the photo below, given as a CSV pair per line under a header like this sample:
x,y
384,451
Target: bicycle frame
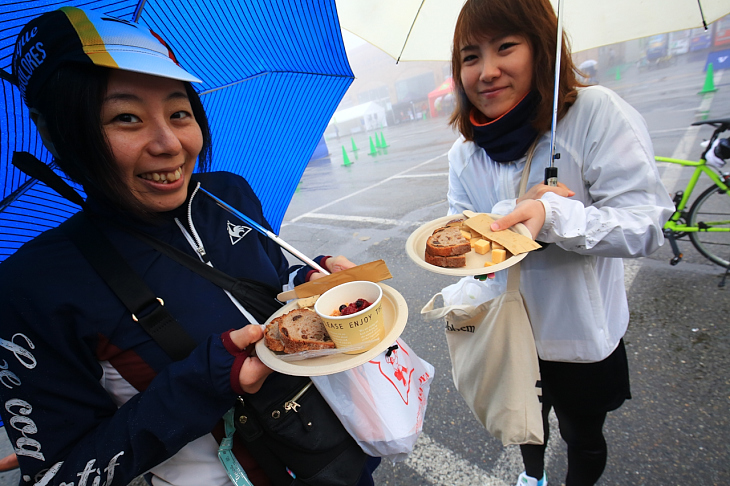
x,y
700,167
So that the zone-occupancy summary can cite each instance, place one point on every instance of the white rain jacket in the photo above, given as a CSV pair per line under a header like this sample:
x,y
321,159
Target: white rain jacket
x,y
574,289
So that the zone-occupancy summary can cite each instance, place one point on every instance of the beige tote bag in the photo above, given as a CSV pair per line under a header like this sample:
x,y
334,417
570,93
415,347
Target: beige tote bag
x,y
494,359
494,362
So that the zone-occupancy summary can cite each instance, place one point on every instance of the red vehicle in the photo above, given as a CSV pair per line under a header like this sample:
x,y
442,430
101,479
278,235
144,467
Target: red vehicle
x,y
722,31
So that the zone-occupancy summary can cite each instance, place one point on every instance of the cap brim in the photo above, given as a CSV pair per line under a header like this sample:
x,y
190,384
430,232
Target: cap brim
x,y
141,62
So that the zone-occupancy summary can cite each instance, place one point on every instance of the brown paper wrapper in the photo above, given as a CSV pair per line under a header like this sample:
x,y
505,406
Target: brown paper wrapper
x,y
514,242
374,272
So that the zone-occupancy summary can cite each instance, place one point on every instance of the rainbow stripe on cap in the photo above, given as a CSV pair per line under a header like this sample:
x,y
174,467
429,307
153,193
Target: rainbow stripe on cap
x,y
119,44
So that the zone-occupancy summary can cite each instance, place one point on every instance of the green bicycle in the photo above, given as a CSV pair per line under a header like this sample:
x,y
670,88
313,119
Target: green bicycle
x,y
707,223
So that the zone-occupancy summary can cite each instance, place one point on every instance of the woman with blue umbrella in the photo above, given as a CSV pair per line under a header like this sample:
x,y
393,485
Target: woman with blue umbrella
x,y
91,396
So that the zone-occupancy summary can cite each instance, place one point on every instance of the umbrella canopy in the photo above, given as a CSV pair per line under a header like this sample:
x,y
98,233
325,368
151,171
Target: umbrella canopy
x,y
422,30
273,72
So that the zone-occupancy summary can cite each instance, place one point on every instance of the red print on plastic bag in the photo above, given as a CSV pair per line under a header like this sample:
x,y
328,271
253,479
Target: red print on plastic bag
x,y
396,373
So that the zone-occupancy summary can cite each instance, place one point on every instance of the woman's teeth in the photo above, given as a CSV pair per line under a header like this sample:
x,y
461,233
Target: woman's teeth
x,y
163,177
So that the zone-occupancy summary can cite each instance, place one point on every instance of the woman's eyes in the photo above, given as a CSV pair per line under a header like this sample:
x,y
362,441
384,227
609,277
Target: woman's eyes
x,y
127,118
180,115
506,45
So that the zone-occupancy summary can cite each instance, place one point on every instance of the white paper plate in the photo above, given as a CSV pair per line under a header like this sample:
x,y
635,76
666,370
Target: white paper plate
x,y
395,315
416,249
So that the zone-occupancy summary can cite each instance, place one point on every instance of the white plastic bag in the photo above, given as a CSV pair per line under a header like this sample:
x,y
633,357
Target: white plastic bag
x,y
470,291
382,403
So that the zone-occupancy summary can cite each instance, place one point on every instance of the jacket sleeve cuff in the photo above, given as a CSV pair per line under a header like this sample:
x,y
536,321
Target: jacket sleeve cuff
x,y
239,357
304,273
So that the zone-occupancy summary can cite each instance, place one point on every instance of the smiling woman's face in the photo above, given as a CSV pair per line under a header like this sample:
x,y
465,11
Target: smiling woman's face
x,y
153,136
496,73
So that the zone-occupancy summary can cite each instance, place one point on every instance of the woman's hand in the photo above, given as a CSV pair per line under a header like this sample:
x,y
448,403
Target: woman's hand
x,y
253,372
332,265
536,191
530,212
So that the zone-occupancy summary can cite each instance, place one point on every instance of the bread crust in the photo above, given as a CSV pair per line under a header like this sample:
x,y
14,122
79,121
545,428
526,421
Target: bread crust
x,y
455,261
447,242
303,330
272,338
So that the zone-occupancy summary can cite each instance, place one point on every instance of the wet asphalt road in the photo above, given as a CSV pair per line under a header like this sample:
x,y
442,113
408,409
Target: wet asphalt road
x,y
673,432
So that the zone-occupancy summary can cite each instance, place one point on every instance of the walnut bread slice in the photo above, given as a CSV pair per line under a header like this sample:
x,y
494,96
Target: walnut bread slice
x,y
272,337
447,242
303,330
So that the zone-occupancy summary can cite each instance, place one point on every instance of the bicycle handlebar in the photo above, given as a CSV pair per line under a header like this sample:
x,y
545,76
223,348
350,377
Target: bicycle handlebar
x,y
720,124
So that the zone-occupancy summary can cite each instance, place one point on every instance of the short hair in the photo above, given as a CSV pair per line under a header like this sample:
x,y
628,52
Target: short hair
x,y
71,103
536,21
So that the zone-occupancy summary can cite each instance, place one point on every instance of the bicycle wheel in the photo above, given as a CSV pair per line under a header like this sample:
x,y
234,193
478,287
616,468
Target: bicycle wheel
x,y
712,210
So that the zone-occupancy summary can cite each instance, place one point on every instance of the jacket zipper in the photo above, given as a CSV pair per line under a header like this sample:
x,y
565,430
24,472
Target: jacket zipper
x,y
197,243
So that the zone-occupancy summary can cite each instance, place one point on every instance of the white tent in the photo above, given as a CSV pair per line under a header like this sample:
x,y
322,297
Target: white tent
x,y
368,116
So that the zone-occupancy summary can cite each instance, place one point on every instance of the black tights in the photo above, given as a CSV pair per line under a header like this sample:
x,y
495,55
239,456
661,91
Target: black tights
x,y
586,447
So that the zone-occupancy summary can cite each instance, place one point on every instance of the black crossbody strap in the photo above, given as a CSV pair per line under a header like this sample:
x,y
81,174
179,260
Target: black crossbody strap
x,y
146,308
258,298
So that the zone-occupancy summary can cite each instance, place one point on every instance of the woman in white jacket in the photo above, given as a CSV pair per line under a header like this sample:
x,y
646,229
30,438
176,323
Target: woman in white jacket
x,y
609,205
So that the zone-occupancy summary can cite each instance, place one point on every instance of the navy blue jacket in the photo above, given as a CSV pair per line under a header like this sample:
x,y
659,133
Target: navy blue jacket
x,y
60,320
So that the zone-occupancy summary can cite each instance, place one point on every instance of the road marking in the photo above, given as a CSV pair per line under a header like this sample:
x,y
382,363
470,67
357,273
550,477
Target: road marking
x,y
411,176
358,219
332,203
670,176
441,466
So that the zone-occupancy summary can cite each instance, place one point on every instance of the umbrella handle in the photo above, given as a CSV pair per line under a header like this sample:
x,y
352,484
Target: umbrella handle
x,y
266,232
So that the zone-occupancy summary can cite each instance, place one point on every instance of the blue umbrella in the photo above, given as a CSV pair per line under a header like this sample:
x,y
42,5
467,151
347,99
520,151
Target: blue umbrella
x,y
273,74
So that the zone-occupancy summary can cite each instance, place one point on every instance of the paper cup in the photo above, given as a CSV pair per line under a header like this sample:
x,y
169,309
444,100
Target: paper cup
x,y
361,330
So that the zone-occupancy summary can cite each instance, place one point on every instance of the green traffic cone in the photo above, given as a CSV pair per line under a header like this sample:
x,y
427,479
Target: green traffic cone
x,y
377,141
382,140
709,86
345,158
373,151
354,147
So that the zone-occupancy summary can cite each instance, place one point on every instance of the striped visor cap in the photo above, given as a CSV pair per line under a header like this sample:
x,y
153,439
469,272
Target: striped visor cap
x,y
70,34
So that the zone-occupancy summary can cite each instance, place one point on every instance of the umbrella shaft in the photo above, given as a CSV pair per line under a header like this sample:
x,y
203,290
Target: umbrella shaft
x,y
558,51
266,232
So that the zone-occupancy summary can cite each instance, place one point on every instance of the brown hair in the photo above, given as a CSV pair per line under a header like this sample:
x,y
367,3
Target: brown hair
x,y
536,21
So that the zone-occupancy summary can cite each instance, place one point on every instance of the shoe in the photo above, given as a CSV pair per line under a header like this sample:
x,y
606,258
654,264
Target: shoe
x,y
525,480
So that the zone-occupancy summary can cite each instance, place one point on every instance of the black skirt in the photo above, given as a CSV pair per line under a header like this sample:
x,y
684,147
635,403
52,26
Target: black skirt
x,y
587,387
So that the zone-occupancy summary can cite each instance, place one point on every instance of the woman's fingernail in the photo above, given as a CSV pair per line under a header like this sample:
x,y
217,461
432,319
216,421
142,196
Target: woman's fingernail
x,y
494,227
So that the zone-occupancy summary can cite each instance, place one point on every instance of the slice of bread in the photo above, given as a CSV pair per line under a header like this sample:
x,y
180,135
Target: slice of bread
x,y
447,242
446,261
272,338
303,330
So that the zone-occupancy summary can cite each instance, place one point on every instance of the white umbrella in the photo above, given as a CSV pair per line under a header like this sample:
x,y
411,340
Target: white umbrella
x,y
422,30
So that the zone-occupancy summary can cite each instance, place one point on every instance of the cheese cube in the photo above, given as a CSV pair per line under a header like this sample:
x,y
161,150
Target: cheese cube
x,y
466,234
488,264
481,247
498,256
497,246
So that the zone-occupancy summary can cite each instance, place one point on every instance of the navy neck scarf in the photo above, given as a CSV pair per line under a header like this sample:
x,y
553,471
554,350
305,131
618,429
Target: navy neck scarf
x,y
508,137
